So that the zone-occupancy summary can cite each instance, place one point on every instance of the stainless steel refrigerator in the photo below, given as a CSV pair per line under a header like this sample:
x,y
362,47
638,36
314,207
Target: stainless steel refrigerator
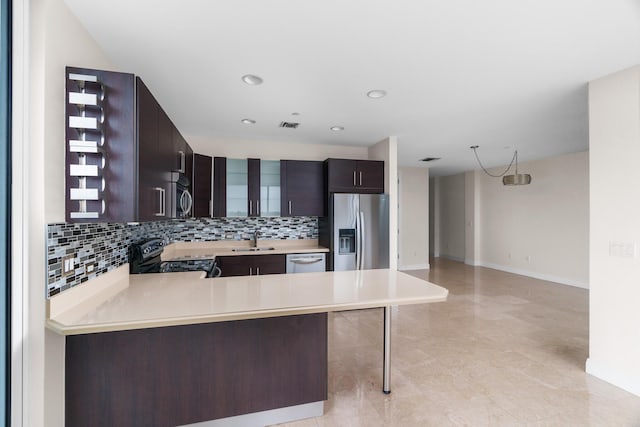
x,y
356,231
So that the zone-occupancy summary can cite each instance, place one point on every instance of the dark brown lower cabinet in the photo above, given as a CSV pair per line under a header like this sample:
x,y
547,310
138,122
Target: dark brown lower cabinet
x,y
186,374
252,265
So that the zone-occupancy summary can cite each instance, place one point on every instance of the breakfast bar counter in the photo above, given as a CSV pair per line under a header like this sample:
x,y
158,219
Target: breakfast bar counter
x,y
169,299
177,348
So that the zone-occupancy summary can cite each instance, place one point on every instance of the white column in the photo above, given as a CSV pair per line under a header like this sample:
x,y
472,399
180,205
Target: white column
x,y
387,150
472,217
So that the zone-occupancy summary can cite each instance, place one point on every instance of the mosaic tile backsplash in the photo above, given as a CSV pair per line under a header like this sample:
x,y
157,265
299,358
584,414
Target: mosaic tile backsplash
x,y
105,245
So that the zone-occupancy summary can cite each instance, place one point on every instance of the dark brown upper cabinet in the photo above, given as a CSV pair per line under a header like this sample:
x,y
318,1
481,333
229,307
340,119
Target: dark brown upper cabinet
x,y
152,188
302,188
201,186
163,156
354,176
219,187
122,150
253,170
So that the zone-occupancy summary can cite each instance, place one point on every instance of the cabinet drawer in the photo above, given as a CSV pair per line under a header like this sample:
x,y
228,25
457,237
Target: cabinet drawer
x,y
251,265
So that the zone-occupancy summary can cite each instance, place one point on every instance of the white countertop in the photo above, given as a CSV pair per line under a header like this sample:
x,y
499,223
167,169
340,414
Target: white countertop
x,y
210,250
167,299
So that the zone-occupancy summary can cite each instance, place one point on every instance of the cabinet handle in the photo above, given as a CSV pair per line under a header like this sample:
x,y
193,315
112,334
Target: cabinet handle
x,y
161,200
183,162
164,202
289,207
354,178
360,178
188,203
258,207
250,271
257,271
250,207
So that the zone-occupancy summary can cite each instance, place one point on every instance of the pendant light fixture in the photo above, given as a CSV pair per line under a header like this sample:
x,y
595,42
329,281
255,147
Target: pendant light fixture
x,y
515,179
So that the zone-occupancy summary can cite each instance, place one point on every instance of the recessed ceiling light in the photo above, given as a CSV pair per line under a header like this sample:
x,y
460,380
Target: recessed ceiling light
x,y
248,121
377,93
252,79
337,128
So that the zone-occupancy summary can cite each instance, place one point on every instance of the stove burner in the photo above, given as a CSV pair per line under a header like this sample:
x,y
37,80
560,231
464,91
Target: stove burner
x,y
206,265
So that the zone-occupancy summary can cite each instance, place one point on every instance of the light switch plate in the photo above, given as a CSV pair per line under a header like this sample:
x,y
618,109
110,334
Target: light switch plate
x,y
623,249
68,265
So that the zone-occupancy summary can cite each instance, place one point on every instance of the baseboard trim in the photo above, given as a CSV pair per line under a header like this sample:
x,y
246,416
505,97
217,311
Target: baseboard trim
x,y
415,267
547,277
272,416
612,376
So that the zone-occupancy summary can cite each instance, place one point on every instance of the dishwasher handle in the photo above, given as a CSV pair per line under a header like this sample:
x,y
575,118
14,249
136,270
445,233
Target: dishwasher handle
x,y
306,260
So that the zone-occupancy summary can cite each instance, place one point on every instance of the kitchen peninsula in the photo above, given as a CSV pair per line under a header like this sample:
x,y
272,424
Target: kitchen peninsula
x,y
174,349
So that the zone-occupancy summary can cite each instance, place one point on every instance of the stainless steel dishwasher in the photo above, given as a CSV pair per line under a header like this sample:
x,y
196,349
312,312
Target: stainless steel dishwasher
x,y
306,263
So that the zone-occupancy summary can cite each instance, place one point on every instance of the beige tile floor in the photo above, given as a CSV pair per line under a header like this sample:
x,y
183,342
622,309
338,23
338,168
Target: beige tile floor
x,y
504,350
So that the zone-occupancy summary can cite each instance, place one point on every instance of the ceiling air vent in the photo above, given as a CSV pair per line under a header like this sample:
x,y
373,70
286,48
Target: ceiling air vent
x,y
289,125
430,159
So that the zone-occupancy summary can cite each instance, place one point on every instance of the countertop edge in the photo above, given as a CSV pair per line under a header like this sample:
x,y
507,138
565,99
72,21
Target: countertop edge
x,y
208,318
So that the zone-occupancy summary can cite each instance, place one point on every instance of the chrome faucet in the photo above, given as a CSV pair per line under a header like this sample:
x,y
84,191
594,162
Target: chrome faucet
x,y
256,234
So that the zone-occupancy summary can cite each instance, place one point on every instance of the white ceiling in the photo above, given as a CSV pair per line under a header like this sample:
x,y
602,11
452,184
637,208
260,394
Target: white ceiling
x,y
494,73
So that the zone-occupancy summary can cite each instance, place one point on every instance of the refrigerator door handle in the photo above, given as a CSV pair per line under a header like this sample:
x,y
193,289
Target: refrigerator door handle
x,y
358,246
363,244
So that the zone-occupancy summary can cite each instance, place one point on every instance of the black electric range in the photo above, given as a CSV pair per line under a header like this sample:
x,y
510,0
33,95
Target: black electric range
x,y
145,257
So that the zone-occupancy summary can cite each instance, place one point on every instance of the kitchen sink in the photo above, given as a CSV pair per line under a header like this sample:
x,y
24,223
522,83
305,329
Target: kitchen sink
x,y
252,249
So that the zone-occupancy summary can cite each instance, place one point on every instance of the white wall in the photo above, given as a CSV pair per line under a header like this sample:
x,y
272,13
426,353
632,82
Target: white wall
x,y
539,230
452,217
55,39
274,150
614,294
542,229
66,43
387,150
413,218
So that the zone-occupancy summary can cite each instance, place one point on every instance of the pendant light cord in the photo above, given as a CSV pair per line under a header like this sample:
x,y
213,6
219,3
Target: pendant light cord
x,y
513,159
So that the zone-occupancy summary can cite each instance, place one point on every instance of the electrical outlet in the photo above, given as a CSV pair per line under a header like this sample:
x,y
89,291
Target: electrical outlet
x,y
527,258
89,268
68,265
